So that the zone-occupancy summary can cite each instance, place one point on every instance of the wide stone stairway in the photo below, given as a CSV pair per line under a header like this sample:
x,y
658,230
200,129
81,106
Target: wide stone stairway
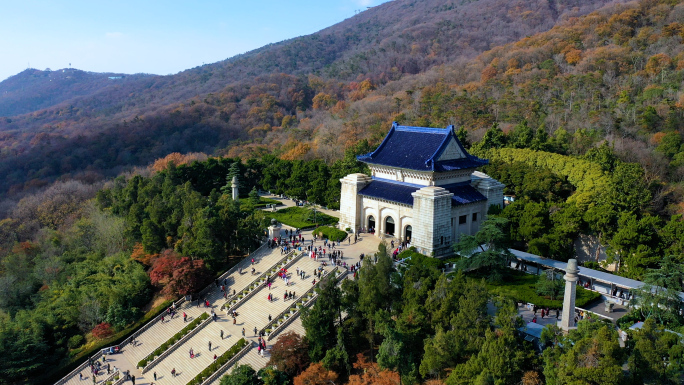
x,y
252,313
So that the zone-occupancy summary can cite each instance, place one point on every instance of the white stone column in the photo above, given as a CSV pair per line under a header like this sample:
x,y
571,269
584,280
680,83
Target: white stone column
x,y
571,278
350,201
234,184
432,220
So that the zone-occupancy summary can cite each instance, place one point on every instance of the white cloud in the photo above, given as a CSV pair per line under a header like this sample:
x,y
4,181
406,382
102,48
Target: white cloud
x,y
113,35
364,3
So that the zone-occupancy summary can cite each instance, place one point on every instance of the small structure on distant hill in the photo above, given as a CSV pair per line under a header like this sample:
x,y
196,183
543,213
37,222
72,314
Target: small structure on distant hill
x,y
568,319
423,189
234,185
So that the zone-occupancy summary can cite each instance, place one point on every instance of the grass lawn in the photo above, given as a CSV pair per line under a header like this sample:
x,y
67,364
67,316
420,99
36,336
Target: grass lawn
x,y
265,201
520,287
301,217
331,233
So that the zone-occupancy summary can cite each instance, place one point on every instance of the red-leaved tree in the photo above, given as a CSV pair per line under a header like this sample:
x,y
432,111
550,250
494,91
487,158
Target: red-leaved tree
x,y
178,275
290,354
102,331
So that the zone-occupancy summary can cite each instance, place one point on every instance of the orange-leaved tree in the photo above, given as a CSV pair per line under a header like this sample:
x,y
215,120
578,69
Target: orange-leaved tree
x,y
316,374
372,373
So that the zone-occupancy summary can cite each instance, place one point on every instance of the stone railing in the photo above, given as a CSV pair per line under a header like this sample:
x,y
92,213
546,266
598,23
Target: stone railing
x,y
175,346
288,315
110,377
233,269
228,364
150,323
255,285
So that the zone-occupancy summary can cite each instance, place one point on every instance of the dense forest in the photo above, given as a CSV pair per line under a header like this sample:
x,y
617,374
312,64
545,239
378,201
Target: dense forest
x,y
268,98
583,123
417,325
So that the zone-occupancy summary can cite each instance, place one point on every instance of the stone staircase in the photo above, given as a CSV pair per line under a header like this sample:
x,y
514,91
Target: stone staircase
x,y
253,313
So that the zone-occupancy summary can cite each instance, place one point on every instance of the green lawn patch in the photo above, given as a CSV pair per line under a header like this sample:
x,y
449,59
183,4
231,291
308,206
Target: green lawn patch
x,y
301,217
265,201
521,288
331,233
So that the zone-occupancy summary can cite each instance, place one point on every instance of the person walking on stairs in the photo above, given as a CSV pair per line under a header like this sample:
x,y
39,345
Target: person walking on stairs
x,y
155,376
222,334
243,332
255,331
209,345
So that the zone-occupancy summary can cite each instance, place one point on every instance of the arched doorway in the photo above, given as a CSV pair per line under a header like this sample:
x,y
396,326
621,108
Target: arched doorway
x,y
407,233
371,223
389,226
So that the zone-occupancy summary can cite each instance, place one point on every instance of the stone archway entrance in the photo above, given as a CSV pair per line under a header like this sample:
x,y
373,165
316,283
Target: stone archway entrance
x,y
371,223
389,226
407,233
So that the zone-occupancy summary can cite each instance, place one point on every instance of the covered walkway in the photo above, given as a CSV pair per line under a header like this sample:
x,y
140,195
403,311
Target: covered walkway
x,y
613,287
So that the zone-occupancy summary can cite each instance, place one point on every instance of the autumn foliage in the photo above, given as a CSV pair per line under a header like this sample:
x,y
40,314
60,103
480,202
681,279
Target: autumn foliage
x,y
290,354
177,159
141,256
102,331
372,374
178,275
316,374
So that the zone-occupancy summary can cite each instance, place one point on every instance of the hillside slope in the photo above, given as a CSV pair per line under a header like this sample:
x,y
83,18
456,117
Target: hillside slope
x,y
33,89
243,98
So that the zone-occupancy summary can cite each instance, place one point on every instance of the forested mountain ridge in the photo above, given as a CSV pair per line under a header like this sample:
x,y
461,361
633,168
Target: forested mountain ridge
x,y
33,89
211,107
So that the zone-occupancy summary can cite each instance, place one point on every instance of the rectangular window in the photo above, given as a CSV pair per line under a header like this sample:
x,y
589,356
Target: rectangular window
x,y
462,219
474,217
452,222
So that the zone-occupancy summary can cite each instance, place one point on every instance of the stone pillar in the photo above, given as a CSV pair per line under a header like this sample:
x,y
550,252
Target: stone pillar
x,y
274,229
234,184
491,188
571,278
432,221
350,201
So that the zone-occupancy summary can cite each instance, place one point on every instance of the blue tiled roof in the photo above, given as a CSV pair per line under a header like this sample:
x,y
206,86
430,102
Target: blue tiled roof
x,y
393,192
464,193
417,148
398,192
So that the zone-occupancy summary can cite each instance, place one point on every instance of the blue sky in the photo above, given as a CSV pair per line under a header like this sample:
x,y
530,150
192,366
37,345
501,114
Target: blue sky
x,y
160,37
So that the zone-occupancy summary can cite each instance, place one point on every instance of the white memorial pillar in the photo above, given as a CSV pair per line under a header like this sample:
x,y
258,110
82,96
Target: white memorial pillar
x,y
234,184
568,319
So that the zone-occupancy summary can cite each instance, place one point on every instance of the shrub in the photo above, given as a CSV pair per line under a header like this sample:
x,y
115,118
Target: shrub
x,y
75,341
102,331
330,233
301,217
220,361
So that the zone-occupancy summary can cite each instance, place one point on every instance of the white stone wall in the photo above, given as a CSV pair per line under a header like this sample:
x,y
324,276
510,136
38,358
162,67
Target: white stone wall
x,y
432,216
491,188
380,210
350,201
470,227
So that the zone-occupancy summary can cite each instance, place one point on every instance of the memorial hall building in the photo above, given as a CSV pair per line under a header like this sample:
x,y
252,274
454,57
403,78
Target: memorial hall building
x,y
424,188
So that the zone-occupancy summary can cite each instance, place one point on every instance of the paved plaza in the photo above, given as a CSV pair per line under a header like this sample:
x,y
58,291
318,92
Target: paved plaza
x,y
252,313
